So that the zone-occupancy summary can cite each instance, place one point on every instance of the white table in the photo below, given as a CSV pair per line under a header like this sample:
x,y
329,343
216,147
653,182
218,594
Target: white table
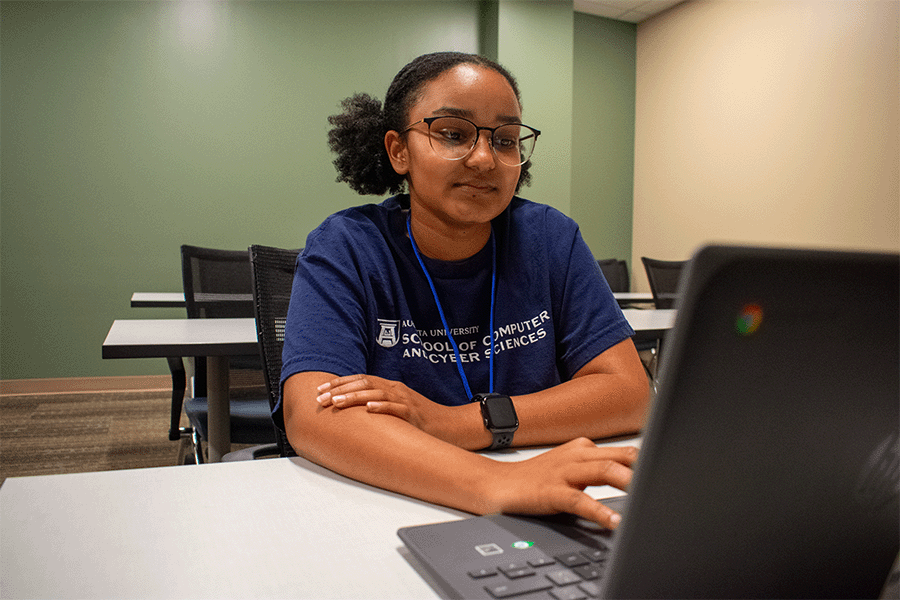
x,y
633,297
157,300
276,528
650,322
176,299
218,339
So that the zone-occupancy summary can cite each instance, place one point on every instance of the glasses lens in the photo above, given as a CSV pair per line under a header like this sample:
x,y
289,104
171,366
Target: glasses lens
x,y
514,144
452,138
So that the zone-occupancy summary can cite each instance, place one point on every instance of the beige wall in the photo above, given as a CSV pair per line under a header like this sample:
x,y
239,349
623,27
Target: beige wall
x,y
772,123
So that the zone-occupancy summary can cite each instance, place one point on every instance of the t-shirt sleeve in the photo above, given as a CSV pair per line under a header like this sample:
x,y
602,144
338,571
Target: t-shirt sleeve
x,y
325,328
589,319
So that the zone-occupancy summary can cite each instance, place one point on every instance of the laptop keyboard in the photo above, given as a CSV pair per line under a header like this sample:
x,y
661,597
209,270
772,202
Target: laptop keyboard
x,y
569,576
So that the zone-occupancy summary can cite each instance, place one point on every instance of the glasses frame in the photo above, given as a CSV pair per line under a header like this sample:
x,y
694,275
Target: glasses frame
x,y
429,120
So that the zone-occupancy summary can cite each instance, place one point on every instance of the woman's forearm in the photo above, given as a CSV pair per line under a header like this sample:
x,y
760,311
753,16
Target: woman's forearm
x,y
383,450
391,453
595,405
608,396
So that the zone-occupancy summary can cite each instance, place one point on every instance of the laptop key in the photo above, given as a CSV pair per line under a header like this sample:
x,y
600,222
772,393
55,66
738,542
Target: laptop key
x,y
516,570
541,562
571,559
482,573
518,587
588,571
568,593
597,555
563,577
590,588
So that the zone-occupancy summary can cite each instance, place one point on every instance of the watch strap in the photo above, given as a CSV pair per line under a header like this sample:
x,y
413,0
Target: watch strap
x,y
501,440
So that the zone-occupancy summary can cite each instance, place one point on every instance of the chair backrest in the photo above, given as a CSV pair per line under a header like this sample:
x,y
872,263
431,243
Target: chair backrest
x,y
663,276
616,273
273,277
217,283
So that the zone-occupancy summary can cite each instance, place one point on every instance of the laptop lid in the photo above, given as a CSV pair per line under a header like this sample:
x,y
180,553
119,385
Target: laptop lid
x,y
769,465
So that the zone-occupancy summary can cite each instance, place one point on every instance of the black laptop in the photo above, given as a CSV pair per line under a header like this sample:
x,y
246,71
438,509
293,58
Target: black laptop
x,y
769,464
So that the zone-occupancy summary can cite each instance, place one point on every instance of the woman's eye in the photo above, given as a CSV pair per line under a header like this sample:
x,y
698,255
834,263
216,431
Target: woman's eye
x,y
453,135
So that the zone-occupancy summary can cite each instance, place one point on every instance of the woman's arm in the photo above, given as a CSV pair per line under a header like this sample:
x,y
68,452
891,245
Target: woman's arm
x,y
608,396
394,454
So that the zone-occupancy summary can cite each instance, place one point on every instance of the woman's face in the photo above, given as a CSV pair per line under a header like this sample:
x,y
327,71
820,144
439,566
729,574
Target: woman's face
x,y
471,191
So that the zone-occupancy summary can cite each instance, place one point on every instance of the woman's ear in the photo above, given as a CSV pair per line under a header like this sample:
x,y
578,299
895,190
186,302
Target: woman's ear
x,y
397,152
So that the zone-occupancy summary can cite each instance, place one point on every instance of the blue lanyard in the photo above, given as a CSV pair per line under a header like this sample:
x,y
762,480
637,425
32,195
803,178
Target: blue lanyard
x,y
462,373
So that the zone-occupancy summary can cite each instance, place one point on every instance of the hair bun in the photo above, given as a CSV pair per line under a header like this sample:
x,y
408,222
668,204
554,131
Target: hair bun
x,y
357,137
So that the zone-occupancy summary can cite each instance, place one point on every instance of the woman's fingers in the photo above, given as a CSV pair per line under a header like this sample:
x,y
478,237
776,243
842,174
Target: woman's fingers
x,y
598,472
554,482
394,409
597,512
343,391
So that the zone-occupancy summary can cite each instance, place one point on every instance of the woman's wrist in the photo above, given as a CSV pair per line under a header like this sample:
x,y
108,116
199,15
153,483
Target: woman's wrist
x,y
489,485
464,428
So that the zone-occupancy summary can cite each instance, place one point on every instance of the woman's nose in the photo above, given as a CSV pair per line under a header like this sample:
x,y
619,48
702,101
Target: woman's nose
x,y
482,155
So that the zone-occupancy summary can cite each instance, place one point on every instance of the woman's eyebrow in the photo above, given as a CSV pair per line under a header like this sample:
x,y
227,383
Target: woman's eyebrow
x,y
468,114
454,112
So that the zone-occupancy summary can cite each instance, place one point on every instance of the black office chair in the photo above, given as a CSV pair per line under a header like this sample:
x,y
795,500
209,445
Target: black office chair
x,y
663,276
218,284
273,278
616,273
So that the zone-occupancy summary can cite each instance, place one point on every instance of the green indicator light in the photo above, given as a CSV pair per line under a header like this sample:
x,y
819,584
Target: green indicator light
x,y
522,545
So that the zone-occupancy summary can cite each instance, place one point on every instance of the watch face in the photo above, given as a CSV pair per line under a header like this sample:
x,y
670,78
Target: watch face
x,y
500,413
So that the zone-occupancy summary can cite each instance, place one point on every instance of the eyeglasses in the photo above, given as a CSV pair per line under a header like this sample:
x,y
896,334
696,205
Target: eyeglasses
x,y
454,138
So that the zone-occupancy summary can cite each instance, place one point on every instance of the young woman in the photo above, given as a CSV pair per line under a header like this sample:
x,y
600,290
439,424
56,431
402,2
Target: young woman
x,y
457,316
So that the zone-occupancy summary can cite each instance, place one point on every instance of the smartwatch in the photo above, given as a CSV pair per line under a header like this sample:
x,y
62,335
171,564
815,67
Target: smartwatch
x,y
500,418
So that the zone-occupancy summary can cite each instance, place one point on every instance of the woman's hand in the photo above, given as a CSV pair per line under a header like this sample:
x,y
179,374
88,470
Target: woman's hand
x,y
386,397
554,482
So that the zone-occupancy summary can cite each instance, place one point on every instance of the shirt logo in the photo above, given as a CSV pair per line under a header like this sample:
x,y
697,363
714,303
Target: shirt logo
x,y
389,334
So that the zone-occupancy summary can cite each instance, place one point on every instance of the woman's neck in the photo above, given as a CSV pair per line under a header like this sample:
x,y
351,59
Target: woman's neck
x,y
436,240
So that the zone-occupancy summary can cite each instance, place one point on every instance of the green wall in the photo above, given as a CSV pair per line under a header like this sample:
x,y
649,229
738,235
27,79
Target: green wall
x,y
130,128
536,43
603,134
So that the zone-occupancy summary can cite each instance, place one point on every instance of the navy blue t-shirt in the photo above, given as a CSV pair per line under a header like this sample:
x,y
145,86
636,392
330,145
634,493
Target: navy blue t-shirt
x,y
361,304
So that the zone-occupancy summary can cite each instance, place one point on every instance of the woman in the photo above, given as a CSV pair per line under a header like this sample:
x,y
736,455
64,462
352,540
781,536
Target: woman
x,y
405,312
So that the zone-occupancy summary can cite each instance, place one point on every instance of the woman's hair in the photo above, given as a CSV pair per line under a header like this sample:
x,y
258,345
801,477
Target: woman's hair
x,y
357,135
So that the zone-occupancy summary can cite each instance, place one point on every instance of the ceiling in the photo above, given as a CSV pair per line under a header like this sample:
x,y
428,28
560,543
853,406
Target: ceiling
x,y
633,11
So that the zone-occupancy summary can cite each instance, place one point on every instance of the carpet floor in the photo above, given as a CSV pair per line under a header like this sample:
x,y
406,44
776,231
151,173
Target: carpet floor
x,y
45,434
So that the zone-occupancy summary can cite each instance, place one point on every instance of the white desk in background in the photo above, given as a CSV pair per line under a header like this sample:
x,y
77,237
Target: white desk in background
x,y
157,300
274,528
650,323
176,299
218,339
624,298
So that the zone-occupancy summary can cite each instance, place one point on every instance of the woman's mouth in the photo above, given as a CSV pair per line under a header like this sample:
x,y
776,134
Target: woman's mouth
x,y
475,186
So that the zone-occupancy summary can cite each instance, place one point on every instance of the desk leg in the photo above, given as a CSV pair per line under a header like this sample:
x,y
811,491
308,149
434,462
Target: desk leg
x,y
219,417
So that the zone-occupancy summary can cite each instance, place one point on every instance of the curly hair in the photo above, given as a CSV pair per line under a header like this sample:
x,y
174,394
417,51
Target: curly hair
x,y
357,134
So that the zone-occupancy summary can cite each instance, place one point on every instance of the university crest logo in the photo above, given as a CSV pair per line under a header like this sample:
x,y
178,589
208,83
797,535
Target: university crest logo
x,y
389,334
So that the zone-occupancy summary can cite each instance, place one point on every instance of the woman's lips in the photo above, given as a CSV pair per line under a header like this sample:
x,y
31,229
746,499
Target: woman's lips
x,y
475,186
